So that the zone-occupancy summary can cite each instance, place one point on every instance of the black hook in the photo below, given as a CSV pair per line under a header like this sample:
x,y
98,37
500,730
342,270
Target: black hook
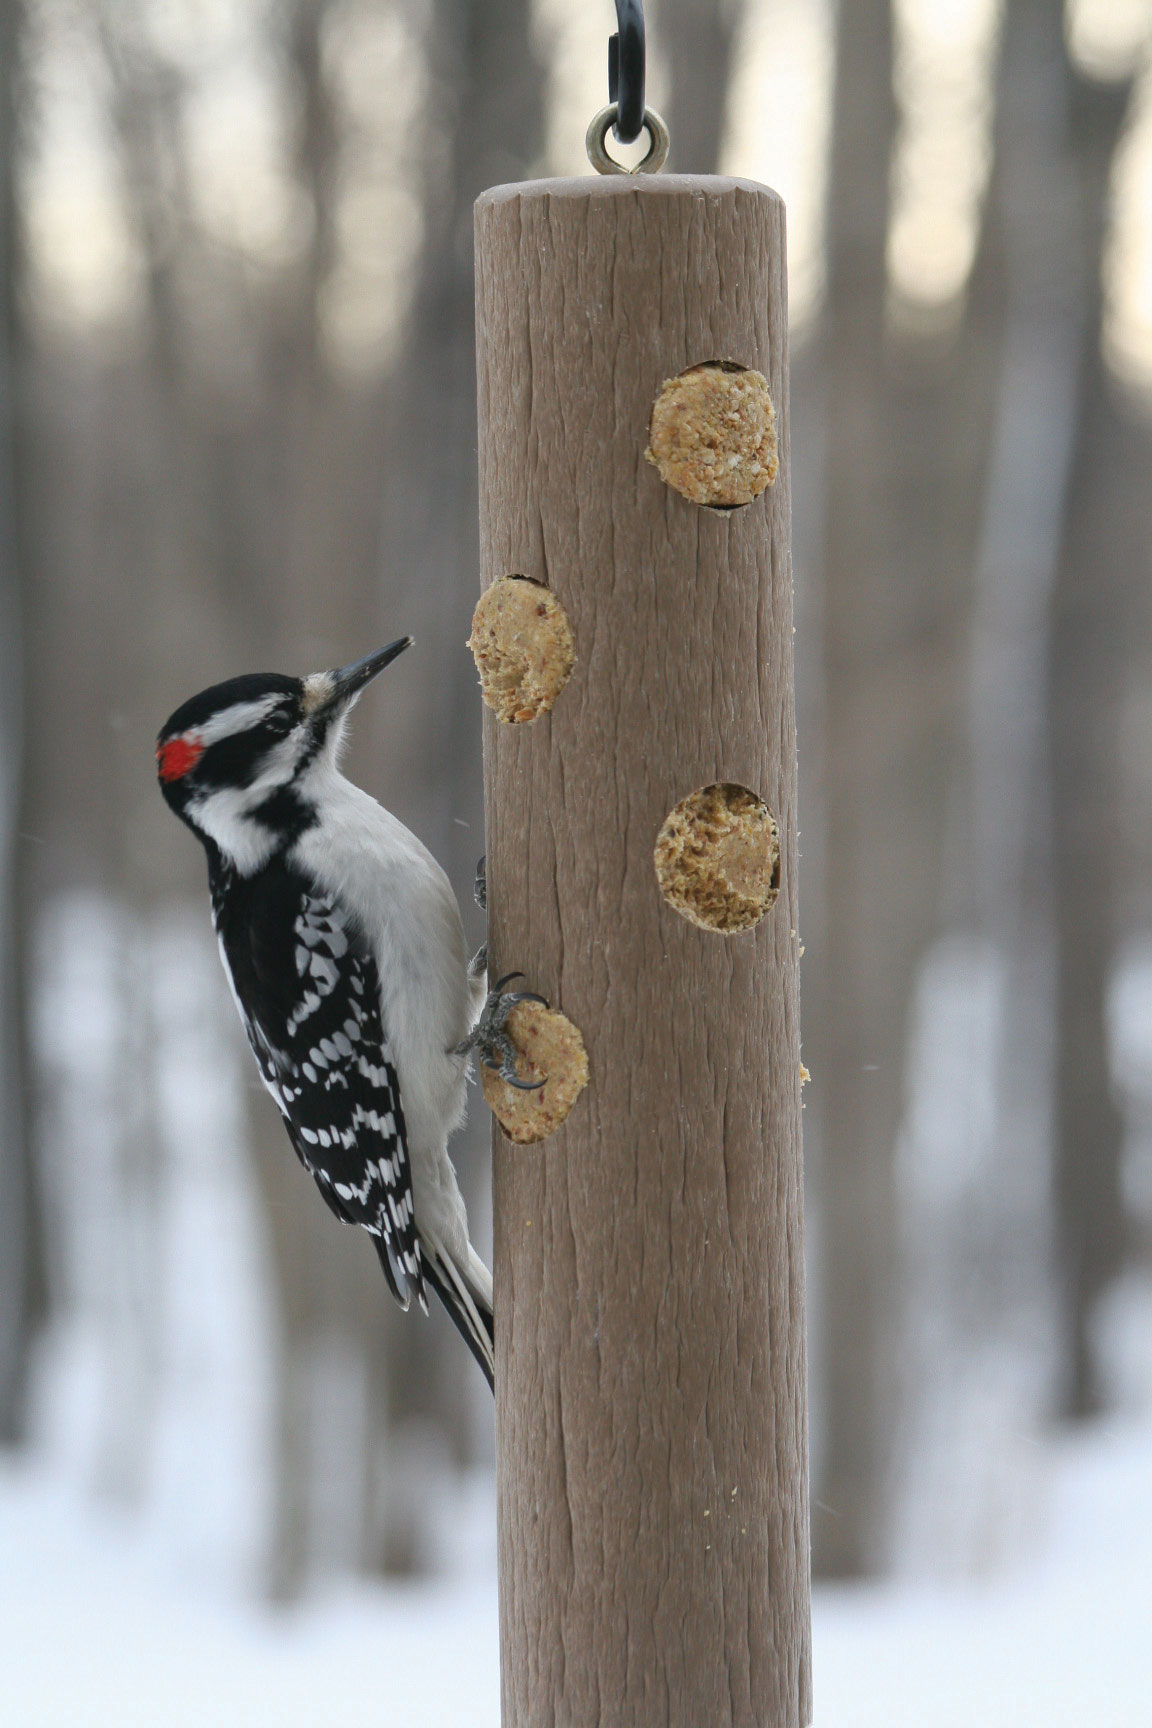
x,y
626,71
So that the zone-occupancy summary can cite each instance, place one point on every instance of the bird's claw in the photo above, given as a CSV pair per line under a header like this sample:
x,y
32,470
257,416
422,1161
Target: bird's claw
x,y
492,1043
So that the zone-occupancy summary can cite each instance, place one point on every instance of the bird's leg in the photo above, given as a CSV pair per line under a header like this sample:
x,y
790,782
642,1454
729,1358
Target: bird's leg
x,y
478,965
489,1039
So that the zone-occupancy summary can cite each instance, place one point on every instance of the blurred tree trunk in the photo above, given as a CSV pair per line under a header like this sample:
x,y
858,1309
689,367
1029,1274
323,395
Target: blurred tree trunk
x,y
1051,573
21,1266
1102,566
695,39
143,474
907,428
976,1196
855,1035
254,502
486,88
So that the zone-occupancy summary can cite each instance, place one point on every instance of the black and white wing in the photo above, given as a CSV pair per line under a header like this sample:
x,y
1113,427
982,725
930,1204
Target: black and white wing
x,y
308,991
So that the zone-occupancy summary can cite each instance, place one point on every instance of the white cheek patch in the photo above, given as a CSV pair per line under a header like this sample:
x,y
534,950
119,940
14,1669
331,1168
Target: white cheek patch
x,y
228,814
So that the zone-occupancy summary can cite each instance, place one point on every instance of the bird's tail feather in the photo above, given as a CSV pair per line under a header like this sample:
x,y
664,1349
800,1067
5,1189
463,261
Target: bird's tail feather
x,y
466,1292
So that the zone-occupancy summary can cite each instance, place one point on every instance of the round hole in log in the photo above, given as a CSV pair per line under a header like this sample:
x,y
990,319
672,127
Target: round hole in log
x,y
523,647
717,858
712,434
549,1048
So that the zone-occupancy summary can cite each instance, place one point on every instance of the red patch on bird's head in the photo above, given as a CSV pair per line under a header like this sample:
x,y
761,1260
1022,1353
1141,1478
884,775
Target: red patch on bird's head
x,y
177,756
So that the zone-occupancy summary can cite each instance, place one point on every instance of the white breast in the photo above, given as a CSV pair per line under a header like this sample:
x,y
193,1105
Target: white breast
x,y
404,903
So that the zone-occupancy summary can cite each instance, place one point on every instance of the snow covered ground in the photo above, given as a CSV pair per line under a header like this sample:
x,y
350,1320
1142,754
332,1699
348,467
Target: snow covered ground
x,y
1059,1643
99,1629
97,1632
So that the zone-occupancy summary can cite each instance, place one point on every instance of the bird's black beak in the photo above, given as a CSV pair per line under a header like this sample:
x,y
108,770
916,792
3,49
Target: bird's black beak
x,y
345,683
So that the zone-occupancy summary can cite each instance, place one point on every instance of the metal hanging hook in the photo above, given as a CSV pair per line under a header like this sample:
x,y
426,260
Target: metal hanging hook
x,y
626,71
626,115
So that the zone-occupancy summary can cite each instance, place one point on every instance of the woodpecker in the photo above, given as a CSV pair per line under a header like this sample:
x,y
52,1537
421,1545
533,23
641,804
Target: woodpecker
x,y
344,948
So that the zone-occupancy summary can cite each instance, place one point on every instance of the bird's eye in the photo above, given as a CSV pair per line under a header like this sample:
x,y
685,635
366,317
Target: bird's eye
x,y
278,724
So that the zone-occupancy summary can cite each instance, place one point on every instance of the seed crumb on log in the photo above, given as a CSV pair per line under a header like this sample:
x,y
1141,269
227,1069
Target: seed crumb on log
x,y
523,647
718,858
549,1048
712,434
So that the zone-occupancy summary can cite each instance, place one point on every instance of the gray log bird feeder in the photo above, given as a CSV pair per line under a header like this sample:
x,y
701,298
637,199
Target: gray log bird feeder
x,y
634,643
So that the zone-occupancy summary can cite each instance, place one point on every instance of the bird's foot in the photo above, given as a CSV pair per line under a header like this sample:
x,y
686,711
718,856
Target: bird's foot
x,y
489,1039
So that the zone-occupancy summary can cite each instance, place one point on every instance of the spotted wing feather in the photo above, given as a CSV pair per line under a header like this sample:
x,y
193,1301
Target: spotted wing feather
x,y
309,995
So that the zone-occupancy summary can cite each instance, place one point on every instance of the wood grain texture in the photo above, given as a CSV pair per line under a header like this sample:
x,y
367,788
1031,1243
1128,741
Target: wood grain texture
x,y
650,1374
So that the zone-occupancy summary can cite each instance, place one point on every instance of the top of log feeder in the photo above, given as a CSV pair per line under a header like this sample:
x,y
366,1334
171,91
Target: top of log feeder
x,y
626,186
